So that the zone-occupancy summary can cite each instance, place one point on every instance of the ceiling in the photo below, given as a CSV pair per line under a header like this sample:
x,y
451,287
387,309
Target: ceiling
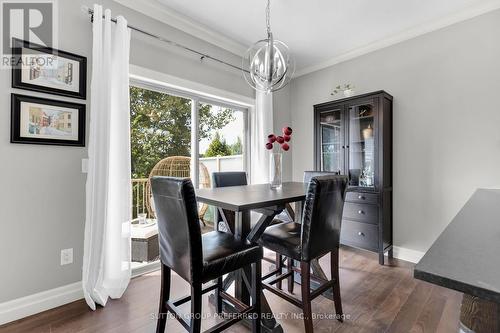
x,y
318,32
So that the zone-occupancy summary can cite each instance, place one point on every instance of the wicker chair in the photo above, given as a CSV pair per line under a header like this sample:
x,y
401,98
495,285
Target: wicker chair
x,y
177,166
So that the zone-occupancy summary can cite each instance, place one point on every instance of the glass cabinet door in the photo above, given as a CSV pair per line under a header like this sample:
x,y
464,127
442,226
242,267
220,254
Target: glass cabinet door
x,y
332,140
361,144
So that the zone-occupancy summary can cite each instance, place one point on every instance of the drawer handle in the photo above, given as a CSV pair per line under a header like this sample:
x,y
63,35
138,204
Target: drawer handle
x,y
360,197
360,212
361,234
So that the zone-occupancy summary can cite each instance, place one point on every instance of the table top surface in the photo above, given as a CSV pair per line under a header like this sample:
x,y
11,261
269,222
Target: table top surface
x,y
465,257
239,198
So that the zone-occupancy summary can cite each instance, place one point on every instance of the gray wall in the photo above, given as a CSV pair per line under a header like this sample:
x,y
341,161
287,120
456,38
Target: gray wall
x,y
43,189
446,120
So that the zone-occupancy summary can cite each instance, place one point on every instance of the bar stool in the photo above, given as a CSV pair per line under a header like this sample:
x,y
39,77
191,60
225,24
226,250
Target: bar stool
x,y
307,179
199,258
318,235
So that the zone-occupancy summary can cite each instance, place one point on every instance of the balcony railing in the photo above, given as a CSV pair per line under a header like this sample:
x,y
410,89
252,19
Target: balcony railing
x,y
138,196
213,164
223,163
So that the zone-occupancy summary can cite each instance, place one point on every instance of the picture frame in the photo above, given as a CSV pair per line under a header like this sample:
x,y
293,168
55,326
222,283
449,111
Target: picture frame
x,y
48,70
43,121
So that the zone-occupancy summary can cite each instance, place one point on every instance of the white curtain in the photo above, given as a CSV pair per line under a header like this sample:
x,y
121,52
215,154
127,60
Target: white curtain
x,y
106,261
262,126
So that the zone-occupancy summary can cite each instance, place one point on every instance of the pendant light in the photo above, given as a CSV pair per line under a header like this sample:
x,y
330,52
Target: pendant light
x,y
271,64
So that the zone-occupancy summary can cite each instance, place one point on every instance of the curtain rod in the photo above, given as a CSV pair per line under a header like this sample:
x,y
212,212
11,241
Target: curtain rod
x,y
202,56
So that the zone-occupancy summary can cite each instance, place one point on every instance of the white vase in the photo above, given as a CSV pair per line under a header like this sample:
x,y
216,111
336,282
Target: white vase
x,y
275,170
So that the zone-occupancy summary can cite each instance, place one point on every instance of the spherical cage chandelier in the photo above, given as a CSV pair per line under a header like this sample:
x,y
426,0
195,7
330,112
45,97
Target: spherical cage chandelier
x,y
271,64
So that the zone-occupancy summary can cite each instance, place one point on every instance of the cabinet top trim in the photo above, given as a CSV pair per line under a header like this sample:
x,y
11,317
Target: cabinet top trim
x,y
348,99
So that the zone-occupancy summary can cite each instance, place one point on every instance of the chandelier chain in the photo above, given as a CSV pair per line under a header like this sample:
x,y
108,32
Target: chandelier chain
x,y
270,62
268,16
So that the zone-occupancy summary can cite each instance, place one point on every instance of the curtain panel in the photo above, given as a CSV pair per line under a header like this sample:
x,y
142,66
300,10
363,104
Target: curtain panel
x,y
106,262
261,125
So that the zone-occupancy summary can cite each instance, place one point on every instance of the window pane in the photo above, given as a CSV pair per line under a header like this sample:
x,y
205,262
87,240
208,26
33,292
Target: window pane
x,y
222,137
362,146
332,152
160,127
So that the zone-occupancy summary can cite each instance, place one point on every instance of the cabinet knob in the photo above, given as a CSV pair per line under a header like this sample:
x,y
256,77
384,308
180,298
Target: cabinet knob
x,y
360,197
360,212
361,234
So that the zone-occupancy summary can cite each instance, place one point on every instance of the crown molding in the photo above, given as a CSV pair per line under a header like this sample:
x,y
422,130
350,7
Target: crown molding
x,y
161,13
422,29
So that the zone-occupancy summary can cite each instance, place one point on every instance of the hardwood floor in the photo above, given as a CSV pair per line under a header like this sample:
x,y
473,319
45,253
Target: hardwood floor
x,y
375,299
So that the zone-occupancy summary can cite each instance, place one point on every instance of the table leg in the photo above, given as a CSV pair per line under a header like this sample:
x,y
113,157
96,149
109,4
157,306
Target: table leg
x,y
318,271
299,207
290,212
242,229
269,323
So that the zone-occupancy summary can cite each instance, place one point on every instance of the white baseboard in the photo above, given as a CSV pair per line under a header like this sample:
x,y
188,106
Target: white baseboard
x,y
42,301
146,268
29,305
406,254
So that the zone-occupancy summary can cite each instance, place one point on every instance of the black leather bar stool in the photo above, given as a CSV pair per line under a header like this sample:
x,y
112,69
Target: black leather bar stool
x,y
307,179
318,234
198,258
239,178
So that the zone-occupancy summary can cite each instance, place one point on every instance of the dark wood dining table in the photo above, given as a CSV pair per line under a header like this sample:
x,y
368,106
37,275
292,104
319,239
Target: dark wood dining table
x,y
269,203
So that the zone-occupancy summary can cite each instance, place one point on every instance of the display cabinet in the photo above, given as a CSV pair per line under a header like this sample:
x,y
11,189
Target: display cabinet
x,y
353,136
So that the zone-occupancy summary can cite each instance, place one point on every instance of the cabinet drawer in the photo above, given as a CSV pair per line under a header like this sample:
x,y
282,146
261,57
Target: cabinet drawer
x,y
358,234
360,197
362,212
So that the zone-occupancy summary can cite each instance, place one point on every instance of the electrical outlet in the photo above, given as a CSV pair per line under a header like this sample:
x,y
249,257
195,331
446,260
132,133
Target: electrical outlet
x,y
66,256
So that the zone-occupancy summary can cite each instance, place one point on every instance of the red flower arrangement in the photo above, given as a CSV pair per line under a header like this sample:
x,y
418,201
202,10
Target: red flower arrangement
x,y
281,140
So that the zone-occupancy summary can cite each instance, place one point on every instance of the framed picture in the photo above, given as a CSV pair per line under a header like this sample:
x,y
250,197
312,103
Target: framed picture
x,y
43,121
48,70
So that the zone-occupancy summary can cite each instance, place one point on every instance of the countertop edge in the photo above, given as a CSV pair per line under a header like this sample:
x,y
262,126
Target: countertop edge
x,y
463,287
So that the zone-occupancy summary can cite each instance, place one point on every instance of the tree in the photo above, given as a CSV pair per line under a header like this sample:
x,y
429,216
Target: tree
x,y
237,147
161,127
218,147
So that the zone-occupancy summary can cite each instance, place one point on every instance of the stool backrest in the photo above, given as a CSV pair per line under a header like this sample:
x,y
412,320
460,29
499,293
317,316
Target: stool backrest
x,y
231,178
224,179
322,216
309,174
179,232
